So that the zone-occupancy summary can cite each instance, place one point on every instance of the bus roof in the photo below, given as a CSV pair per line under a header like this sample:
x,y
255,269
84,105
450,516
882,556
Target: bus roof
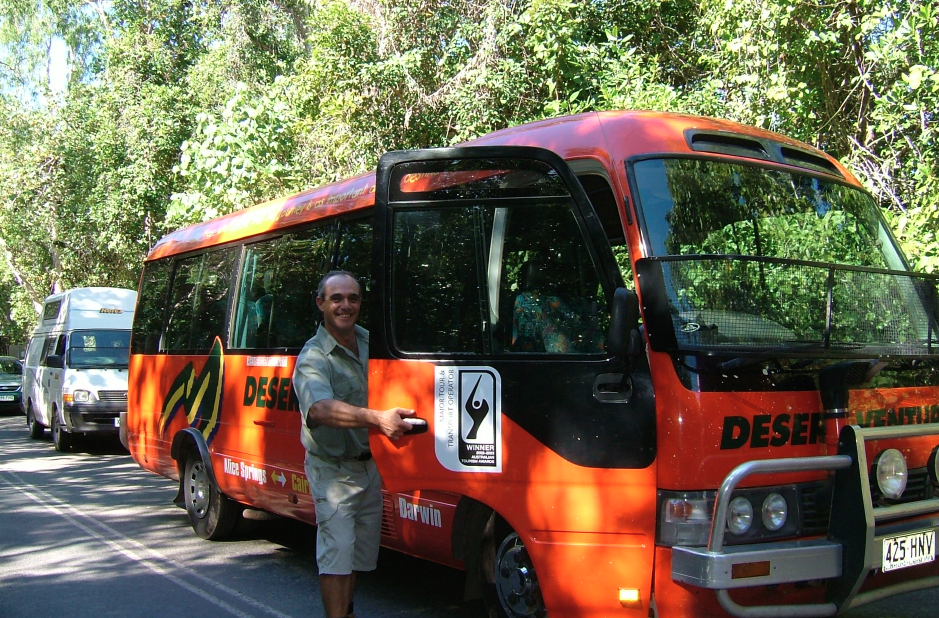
x,y
611,137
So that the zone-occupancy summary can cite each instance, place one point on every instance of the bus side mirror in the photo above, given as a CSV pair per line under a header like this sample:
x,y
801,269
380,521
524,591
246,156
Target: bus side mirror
x,y
54,361
624,339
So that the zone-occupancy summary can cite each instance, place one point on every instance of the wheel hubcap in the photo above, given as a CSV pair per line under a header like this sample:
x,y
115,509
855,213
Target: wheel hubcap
x,y
516,582
198,486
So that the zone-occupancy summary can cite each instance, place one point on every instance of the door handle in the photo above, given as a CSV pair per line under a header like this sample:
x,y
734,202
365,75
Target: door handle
x,y
264,423
612,388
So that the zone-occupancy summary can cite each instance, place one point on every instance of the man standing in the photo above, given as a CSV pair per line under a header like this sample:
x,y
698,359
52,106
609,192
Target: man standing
x,y
331,383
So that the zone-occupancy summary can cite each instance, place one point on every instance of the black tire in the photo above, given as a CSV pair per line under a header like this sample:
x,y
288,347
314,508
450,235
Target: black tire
x,y
510,585
36,429
212,515
61,439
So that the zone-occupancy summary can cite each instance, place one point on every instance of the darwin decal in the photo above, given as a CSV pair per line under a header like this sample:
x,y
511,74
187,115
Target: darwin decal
x,y
199,396
468,418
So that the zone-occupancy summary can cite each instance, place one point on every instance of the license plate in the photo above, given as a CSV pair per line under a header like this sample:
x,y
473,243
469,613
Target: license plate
x,y
909,550
117,421
7,397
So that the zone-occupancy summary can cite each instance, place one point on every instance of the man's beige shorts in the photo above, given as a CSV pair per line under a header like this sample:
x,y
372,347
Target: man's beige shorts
x,y
347,497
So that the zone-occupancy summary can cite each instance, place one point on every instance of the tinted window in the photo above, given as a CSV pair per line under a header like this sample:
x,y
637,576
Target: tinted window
x,y
354,254
276,307
151,307
199,301
500,280
51,310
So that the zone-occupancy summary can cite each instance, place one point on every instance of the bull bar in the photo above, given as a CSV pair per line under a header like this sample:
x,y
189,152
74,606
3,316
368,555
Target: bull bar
x,y
843,560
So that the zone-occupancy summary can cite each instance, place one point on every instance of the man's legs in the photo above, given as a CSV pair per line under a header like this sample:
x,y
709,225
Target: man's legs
x,y
337,591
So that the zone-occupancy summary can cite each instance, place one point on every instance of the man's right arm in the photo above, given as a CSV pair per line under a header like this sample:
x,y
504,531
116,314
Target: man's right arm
x,y
335,413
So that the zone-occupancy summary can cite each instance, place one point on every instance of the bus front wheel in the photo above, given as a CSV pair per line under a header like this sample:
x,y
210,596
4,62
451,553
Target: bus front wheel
x,y
211,513
510,585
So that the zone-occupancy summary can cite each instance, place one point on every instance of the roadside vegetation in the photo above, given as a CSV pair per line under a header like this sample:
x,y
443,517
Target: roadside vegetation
x,y
176,111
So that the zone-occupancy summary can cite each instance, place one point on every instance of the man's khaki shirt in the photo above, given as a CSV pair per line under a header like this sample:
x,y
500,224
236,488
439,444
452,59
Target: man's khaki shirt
x,y
327,370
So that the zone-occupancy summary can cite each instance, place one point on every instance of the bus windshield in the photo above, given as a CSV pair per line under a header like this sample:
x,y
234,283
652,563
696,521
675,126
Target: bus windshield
x,y
752,259
703,206
99,348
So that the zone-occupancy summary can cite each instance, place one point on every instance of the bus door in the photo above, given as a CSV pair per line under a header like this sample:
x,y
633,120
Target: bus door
x,y
490,318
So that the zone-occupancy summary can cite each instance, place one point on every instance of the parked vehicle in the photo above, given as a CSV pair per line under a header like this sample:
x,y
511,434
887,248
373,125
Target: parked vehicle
x,y
11,384
670,366
75,376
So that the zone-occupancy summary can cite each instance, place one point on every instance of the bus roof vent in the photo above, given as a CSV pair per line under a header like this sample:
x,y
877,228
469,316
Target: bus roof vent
x,y
726,143
801,158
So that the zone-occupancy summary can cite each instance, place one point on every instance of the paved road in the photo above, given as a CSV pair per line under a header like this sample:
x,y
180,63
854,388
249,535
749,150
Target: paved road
x,y
91,535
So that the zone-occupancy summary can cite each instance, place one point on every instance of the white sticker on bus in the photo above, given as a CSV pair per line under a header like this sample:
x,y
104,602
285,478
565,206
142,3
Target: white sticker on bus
x,y
267,361
468,418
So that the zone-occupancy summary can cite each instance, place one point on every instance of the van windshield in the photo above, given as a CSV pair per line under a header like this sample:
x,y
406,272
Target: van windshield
x,y
99,348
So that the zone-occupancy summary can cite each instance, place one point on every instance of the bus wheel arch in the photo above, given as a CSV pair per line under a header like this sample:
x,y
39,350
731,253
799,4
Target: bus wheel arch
x,y
211,513
498,567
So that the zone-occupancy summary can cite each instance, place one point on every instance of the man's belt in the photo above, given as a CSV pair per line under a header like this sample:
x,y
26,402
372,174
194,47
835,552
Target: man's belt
x,y
363,456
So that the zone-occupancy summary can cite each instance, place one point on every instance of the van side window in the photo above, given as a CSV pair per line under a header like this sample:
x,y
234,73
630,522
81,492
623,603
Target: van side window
x,y
34,351
354,254
276,306
50,310
198,302
151,307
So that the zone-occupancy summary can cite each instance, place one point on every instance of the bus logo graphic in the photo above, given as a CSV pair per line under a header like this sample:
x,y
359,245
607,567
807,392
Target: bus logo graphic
x,y
199,396
468,418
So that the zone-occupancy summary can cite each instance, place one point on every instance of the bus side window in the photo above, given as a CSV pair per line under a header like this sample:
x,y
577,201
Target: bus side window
x,y
601,196
436,280
151,307
276,307
199,301
550,299
354,254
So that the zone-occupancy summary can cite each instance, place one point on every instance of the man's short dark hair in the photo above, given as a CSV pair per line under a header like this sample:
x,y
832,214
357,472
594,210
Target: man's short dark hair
x,y
321,288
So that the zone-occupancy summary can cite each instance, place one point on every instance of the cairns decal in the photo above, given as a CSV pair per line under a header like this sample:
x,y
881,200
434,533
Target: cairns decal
x,y
468,418
200,397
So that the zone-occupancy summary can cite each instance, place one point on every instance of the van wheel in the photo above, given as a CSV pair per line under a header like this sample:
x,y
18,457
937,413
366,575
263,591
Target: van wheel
x,y
61,439
213,515
36,429
510,585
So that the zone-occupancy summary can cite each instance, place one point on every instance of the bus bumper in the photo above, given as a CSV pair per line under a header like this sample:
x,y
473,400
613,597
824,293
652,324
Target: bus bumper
x,y
853,550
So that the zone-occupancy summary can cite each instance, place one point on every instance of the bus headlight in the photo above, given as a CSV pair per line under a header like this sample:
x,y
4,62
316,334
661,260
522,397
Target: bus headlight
x,y
739,515
775,512
891,473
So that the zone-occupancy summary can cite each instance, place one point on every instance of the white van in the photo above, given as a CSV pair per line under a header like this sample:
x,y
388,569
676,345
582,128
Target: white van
x,y
75,373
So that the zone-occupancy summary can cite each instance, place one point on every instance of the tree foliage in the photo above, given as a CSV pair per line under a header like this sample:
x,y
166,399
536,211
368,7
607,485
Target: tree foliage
x,y
177,111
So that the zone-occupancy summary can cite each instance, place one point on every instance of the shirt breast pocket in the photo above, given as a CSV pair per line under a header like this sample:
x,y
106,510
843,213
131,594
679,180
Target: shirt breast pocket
x,y
345,387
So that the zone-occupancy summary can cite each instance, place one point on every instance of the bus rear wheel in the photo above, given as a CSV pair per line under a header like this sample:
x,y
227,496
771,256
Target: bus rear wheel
x,y
510,584
212,515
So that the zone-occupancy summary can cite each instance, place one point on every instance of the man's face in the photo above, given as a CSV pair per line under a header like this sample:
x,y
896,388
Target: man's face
x,y
341,304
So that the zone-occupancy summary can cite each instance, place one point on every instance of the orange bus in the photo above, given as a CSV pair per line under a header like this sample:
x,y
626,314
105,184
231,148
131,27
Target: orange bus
x,y
670,366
